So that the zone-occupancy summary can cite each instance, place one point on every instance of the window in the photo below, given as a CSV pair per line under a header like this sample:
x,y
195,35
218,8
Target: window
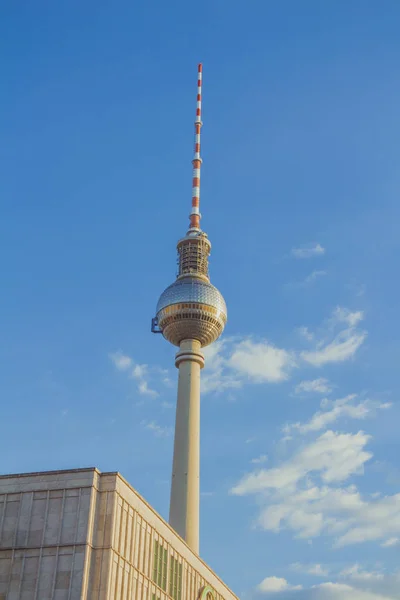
x,y
164,569
160,569
207,593
175,579
160,559
176,308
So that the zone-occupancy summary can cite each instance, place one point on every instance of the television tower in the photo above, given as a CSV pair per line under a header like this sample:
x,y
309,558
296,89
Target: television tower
x,y
191,314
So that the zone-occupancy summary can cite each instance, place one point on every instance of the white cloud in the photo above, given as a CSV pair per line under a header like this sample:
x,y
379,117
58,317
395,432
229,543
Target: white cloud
x,y
393,541
276,584
141,374
343,407
370,586
353,583
379,584
260,459
122,362
261,361
143,385
320,386
317,570
136,371
156,429
308,251
232,362
217,375
341,591
139,371
144,389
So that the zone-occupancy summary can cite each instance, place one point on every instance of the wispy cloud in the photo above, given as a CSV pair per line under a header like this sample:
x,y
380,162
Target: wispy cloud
x,y
342,407
156,429
334,456
344,344
315,569
308,251
313,276
260,459
165,404
139,372
393,541
305,493
355,572
344,315
307,281
343,347
306,333
319,386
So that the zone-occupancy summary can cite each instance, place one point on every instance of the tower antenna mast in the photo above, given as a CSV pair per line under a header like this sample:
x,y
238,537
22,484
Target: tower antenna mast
x,y
195,215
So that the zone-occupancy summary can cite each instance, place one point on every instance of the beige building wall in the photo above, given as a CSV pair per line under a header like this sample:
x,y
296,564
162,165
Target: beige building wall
x,y
82,534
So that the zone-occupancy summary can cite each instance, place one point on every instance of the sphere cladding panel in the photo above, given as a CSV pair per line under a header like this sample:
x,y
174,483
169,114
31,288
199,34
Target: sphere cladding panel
x,y
179,318
192,290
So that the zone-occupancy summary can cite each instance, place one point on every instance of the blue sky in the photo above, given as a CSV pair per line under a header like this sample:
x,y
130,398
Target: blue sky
x,y
300,198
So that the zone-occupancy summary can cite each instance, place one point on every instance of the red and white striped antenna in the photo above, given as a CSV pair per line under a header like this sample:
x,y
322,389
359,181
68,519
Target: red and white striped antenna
x,y
195,215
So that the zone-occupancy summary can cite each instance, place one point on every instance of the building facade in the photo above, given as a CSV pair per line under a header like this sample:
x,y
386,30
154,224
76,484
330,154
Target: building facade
x,y
83,534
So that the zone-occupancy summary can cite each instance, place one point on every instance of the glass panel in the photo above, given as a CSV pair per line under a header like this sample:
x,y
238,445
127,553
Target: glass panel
x,y
155,560
179,582
171,576
164,569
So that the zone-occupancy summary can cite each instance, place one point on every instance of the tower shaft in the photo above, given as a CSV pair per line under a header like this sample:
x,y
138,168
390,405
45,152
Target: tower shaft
x,y
184,515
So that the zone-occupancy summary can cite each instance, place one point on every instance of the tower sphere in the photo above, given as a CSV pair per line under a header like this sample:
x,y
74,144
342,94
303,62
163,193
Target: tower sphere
x,y
191,308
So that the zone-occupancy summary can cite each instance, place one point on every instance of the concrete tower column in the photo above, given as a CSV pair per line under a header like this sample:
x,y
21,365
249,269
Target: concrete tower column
x,y
184,512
